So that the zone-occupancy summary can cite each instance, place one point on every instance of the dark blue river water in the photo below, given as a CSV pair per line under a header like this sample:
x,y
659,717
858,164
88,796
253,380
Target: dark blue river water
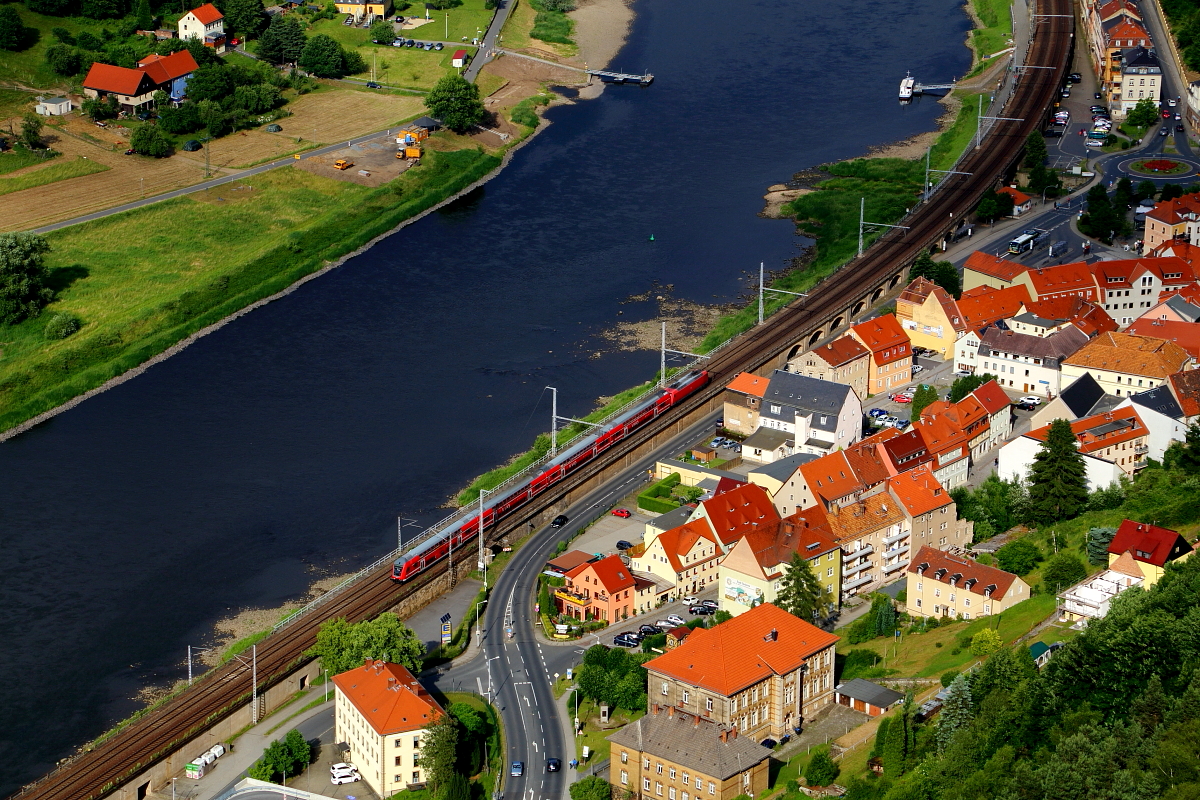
x,y
282,447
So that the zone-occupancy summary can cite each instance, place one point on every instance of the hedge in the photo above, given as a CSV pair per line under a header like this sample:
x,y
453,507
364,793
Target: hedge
x,y
652,498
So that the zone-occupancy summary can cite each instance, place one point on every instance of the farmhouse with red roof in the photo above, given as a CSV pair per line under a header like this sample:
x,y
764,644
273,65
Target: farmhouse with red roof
x,y
1152,548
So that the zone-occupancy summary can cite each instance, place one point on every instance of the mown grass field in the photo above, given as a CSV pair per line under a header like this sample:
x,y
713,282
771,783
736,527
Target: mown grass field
x,y
28,67
409,68
50,173
197,260
997,30
20,158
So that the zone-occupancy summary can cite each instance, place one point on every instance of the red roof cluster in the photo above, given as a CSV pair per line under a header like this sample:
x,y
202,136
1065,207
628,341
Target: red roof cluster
x,y
1149,543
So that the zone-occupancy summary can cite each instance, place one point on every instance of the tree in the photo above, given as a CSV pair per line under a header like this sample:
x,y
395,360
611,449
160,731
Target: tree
x,y
53,8
455,102
1149,709
1035,149
247,17
1058,478
1019,557
23,275
924,396
800,592
64,59
145,19
896,746
1185,455
1063,570
1123,196
1144,114
948,676
282,42
957,710
986,210
101,9
212,82
322,57
99,109
382,31
592,787
342,646
986,642
822,770
1004,204
721,616
884,614
1103,220
31,130
439,751
149,140
1146,190
968,383
12,30
942,273
1098,540
457,788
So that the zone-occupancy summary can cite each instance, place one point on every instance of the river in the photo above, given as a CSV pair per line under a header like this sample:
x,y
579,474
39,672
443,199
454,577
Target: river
x,y
282,447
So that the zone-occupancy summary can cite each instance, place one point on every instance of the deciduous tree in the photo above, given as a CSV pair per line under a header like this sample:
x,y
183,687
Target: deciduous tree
x,y
23,290
64,59
1063,570
322,56
1019,556
342,646
31,130
12,30
149,140
821,770
455,102
439,752
1144,114
1035,149
985,642
382,31
247,17
1058,478
942,273
593,787
921,400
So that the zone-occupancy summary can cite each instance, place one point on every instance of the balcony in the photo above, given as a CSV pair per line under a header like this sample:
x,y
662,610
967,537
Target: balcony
x,y
896,538
857,582
850,555
1141,449
570,597
889,568
856,568
894,552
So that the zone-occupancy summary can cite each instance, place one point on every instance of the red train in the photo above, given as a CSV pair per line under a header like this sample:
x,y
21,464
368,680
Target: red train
x,y
580,452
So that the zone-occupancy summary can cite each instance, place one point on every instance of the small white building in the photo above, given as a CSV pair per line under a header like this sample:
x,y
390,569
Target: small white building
x,y
1090,599
459,60
205,23
53,106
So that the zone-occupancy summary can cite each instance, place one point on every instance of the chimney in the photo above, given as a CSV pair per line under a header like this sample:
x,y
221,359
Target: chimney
x,y
724,736
655,709
773,636
696,723
367,663
391,683
733,732
378,667
670,712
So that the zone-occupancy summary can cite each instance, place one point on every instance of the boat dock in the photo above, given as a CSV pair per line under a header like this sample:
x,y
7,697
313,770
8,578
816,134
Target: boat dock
x,y
622,77
910,87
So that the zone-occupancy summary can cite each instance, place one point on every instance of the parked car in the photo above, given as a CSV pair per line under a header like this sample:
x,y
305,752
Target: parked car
x,y
768,742
559,521
626,640
876,413
675,619
342,769
663,625
1029,398
1097,96
1025,406
624,545
351,777
902,398
709,603
191,145
553,765
648,630
623,513
701,610
917,368
1179,127
1075,77
901,424
518,769
373,85
690,600
438,46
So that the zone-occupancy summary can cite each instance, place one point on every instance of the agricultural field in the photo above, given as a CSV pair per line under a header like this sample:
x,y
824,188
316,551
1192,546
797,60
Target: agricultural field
x,y
330,116
52,172
408,68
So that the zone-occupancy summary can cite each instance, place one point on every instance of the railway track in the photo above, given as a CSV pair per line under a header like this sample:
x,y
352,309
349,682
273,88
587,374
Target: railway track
x,y
143,742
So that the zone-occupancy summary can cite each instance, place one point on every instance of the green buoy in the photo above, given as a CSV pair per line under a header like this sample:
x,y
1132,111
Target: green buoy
x,y
652,237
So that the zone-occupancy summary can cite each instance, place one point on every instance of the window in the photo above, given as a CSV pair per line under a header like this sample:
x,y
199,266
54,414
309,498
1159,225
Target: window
x,y
966,601
671,793
918,602
416,777
685,695
937,592
645,763
398,762
699,783
664,688
708,704
624,777
712,788
672,773
829,572
398,742
658,788
645,784
624,757
686,779
658,768
920,586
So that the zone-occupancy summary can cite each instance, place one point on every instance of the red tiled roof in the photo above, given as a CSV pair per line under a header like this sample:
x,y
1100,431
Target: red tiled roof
x,y
737,512
678,542
840,351
726,484
992,397
1019,197
1149,543
1186,250
883,335
740,652
610,572
570,560
389,697
1186,388
805,532
207,14
994,266
919,491
1184,334
1090,442
831,477
1175,211
749,383
908,450
117,80
985,305
1088,317
162,69
1126,29
1076,277
933,564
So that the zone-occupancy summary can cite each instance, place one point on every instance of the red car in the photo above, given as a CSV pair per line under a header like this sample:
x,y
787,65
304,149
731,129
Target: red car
x,y
1166,114
623,513
902,398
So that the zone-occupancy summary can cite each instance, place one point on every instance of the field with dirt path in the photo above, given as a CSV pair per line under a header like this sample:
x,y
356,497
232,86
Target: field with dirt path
x,y
326,117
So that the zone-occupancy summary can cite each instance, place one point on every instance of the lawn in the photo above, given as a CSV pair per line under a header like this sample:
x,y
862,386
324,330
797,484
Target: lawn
x,y
198,259
14,103
408,68
495,748
997,30
928,655
524,18
51,173
19,158
28,67
594,737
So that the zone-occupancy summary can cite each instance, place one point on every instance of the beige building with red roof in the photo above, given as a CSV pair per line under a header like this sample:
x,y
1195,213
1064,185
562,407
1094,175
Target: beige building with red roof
x,y
381,711
941,584
731,515
1114,445
604,589
985,269
891,353
1150,546
686,557
1124,363
743,401
1175,219
1130,287
930,317
1182,333
134,88
764,671
750,573
844,360
205,23
1062,280
1022,203
981,308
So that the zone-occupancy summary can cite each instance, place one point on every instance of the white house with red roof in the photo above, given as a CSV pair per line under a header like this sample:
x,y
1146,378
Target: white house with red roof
x,y
1151,547
1022,203
134,88
382,712
205,23
1114,445
686,557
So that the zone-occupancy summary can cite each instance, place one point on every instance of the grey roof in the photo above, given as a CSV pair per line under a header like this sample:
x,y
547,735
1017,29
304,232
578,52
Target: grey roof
x,y
1159,399
807,394
818,443
1105,404
692,742
672,519
766,439
1082,394
56,100
429,123
786,413
868,692
1139,58
1057,345
1029,318
1183,308
1106,428
782,469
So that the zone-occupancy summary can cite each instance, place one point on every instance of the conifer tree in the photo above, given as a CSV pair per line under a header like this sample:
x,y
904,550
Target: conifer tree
x,y
1098,540
800,591
1057,480
956,711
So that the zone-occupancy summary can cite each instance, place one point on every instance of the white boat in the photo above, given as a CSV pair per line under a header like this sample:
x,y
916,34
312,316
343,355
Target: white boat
x,y
906,87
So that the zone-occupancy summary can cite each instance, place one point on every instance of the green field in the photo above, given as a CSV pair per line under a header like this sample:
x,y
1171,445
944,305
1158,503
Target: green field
x,y
997,30
28,67
408,68
51,173
197,260
20,158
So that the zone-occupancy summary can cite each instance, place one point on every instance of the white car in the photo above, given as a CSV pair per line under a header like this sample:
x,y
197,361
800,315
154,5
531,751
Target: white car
x,y
675,618
1034,401
1171,103
348,777
343,769
917,368
689,601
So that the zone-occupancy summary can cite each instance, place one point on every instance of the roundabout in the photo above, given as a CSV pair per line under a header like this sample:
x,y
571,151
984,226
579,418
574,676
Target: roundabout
x,y
1159,166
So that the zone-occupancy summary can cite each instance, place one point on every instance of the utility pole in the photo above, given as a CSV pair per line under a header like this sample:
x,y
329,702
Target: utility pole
x,y
662,358
762,288
928,185
553,420
979,122
862,205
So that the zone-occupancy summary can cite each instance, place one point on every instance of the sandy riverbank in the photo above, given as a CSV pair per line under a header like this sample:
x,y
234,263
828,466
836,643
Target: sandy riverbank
x,y
601,27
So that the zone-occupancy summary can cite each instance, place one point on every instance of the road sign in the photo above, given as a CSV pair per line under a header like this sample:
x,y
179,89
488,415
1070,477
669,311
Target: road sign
x,y
446,629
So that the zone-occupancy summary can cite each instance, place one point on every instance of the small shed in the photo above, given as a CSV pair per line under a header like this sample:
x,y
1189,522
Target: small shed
x,y
704,454
1041,652
53,106
869,698
459,60
428,123
676,636
568,561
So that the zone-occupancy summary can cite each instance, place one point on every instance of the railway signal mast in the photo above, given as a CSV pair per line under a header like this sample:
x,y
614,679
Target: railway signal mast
x,y
762,288
662,357
928,185
555,419
979,122
862,223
